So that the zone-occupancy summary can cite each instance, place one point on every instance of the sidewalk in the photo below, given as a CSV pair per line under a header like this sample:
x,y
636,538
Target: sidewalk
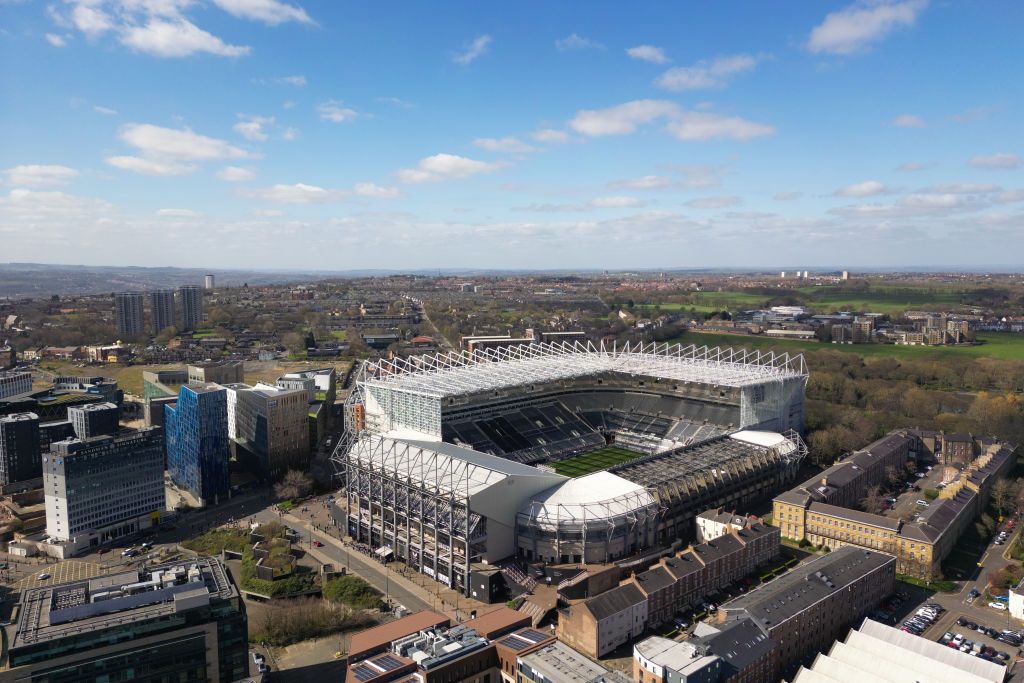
x,y
444,599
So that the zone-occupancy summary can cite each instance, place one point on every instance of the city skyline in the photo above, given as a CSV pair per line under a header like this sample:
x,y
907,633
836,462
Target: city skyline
x,y
535,137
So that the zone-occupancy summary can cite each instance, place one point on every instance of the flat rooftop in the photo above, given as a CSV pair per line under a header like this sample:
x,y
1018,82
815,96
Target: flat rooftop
x,y
54,612
558,662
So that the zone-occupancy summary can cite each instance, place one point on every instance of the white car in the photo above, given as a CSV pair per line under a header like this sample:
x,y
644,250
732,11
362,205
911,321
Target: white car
x,y
958,639
43,577
997,605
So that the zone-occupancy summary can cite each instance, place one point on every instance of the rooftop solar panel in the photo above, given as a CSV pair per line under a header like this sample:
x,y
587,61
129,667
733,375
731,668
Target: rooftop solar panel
x,y
364,673
388,663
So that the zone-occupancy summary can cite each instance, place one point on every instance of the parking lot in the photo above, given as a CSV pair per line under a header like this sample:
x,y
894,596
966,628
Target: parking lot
x,y
68,570
907,506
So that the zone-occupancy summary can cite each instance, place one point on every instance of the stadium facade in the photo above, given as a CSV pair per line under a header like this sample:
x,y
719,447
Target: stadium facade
x,y
452,461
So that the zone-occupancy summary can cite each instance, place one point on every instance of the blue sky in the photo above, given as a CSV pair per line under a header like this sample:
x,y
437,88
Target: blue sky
x,y
298,134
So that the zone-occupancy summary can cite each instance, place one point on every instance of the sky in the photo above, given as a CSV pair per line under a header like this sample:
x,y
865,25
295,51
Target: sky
x,y
301,134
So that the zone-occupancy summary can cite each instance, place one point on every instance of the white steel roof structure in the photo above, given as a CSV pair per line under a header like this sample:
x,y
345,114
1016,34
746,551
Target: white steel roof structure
x,y
877,652
594,497
454,374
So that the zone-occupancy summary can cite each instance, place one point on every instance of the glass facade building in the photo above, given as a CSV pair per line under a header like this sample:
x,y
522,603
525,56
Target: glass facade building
x,y
198,446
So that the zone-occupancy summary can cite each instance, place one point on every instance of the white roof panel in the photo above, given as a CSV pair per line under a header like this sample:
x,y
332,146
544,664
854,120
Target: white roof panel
x,y
455,374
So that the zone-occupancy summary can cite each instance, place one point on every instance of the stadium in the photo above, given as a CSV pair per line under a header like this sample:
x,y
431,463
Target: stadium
x,y
562,453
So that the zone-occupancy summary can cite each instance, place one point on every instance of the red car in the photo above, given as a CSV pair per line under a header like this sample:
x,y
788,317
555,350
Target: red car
x,y
318,544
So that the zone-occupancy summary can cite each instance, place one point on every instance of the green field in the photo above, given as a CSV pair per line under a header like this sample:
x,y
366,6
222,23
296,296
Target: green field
x,y
594,461
999,345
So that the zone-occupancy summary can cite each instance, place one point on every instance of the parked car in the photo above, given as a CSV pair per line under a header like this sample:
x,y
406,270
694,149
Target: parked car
x,y
257,658
921,502
958,639
43,576
997,605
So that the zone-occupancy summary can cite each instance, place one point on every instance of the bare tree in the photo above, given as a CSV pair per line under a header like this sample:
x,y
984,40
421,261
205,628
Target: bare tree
x,y
295,484
1001,492
873,500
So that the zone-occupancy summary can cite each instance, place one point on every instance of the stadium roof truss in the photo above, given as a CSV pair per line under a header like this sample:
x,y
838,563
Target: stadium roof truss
x,y
453,374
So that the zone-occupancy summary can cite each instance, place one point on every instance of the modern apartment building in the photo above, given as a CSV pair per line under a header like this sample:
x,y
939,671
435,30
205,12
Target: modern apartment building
x,y
129,314
191,307
198,447
162,313
19,448
806,609
218,372
180,621
104,487
94,419
273,424
14,382
208,281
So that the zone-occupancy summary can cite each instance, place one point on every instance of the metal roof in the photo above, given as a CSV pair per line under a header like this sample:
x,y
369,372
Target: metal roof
x,y
454,374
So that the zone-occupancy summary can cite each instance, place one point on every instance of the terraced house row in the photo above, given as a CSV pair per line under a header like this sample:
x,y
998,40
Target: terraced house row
x,y
824,510
602,623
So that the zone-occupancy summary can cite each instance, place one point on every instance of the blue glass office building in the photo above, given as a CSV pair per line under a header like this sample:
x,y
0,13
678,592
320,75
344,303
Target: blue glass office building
x,y
198,446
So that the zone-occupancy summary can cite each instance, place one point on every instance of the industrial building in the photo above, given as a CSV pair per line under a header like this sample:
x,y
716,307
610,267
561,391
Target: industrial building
x,y
450,461
217,372
181,621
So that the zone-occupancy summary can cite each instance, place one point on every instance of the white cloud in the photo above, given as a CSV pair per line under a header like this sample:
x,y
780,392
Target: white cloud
x,y
868,188
911,166
1002,160
622,119
374,190
36,175
151,166
647,182
172,143
713,202
107,111
615,202
31,207
908,121
855,27
1010,196
299,193
966,188
700,126
506,145
55,40
625,118
706,74
444,167
702,176
177,213
550,135
290,134
297,81
574,41
787,196
973,115
648,53
90,20
177,38
397,102
252,127
473,50
336,111
270,12
235,174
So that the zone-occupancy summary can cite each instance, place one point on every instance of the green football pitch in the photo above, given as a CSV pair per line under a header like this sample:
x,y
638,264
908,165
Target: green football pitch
x,y
594,461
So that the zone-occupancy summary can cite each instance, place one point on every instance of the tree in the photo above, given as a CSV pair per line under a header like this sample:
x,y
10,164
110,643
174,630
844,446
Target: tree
x,y
295,484
873,500
1001,491
166,335
294,342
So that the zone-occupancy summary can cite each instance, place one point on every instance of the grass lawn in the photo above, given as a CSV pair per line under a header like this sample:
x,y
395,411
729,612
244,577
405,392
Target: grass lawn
x,y
594,461
999,345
